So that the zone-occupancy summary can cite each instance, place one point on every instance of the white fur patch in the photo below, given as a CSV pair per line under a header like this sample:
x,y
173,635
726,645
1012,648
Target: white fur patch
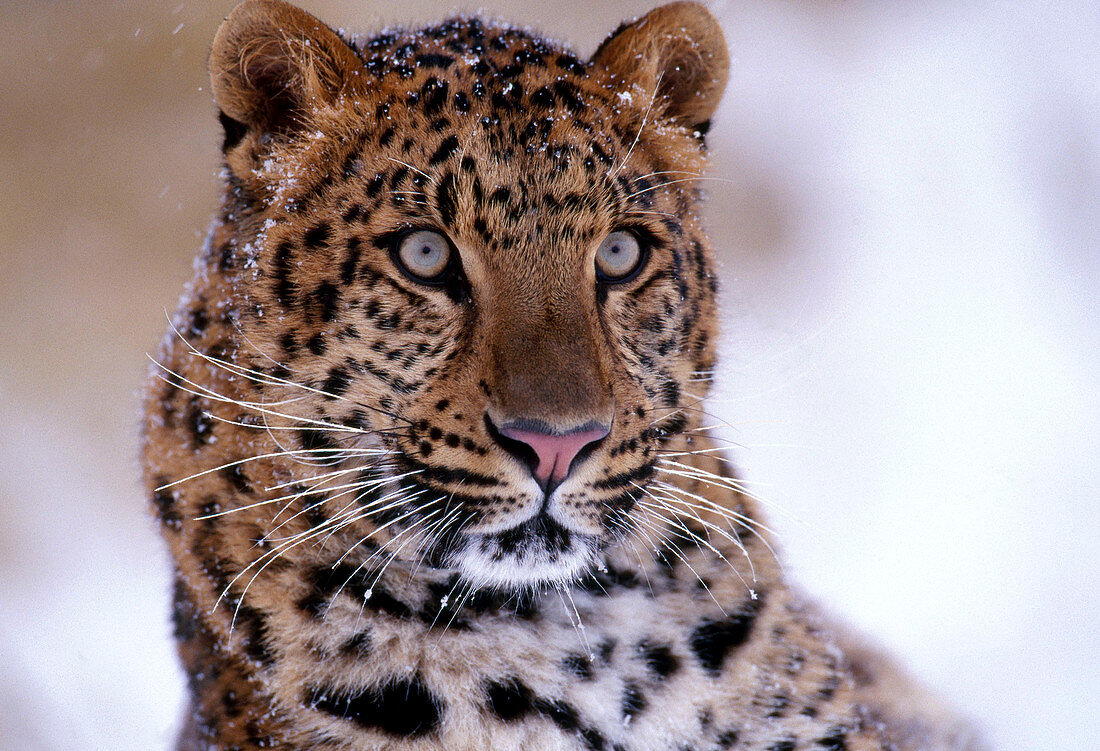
x,y
482,563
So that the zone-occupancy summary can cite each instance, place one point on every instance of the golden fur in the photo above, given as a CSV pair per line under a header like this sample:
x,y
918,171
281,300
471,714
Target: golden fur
x,y
364,558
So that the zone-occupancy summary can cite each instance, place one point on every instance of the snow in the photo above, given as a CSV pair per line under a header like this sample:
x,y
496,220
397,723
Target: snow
x,y
909,270
911,360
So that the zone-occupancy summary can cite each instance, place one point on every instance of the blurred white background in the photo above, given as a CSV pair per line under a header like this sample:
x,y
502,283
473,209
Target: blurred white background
x,y
910,246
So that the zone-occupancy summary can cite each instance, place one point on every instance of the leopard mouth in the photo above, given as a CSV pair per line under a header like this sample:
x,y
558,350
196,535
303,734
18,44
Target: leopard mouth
x,y
514,550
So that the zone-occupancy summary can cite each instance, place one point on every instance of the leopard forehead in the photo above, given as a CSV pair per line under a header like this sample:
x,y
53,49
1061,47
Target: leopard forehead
x,y
516,141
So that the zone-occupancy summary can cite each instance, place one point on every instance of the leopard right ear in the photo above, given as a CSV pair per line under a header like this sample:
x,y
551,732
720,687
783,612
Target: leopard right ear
x,y
271,64
678,54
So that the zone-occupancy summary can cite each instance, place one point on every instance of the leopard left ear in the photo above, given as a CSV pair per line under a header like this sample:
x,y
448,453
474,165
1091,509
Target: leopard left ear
x,y
678,53
271,63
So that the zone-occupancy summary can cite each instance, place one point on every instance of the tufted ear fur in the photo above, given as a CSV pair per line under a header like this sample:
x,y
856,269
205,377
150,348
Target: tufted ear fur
x,y
271,63
677,51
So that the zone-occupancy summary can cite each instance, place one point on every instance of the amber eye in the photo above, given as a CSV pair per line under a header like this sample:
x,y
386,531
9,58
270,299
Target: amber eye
x,y
424,255
619,258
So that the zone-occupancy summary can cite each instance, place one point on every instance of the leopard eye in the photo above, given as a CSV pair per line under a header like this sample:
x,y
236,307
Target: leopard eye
x,y
424,255
619,258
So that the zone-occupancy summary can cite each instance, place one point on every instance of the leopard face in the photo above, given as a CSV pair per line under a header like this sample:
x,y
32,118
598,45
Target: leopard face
x,y
467,268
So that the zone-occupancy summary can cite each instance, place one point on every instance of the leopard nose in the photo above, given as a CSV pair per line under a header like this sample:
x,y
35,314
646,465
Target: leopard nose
x,y
549,453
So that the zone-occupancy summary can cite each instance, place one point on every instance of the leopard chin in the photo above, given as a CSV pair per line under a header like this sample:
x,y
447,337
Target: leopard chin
x,y
536,553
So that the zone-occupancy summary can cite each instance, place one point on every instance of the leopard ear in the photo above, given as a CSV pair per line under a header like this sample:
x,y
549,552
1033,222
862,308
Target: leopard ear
x,y
271,63
676,51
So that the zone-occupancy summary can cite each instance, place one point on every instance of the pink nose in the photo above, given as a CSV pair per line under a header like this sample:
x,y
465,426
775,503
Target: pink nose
x,y
555,452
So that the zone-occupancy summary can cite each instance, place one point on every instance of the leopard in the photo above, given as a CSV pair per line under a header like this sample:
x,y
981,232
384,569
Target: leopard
x,y
426,437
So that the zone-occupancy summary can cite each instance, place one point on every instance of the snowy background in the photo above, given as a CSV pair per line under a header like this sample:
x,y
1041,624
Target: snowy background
x,y
910,241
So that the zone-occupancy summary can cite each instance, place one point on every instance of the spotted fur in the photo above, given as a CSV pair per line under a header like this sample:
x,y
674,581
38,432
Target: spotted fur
x,y
364,558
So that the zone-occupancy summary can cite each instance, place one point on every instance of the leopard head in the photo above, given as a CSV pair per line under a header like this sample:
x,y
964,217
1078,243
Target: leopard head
x,y
468,268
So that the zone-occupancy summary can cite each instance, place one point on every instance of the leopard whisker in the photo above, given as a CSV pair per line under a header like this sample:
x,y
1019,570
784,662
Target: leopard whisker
x,y
261,409
674,548
722,483
642,536
275,553
679,469
396,504
638,135
219,468
255,348
429,538
596,581
429,178
393,555
705,503
630,540
670,504
714,452
366,564
271,556
354,488
670,172
269,379
312,533
666,504
695,505
331,473
411,531
291,497
335,428
565,593
675,182
394,499
694,408
377,578
627,537
735,519
458,585
469,588
351,514
641,212
693,511
699,540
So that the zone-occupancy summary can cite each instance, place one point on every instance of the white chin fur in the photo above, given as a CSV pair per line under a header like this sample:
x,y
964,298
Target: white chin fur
x,y
483,564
